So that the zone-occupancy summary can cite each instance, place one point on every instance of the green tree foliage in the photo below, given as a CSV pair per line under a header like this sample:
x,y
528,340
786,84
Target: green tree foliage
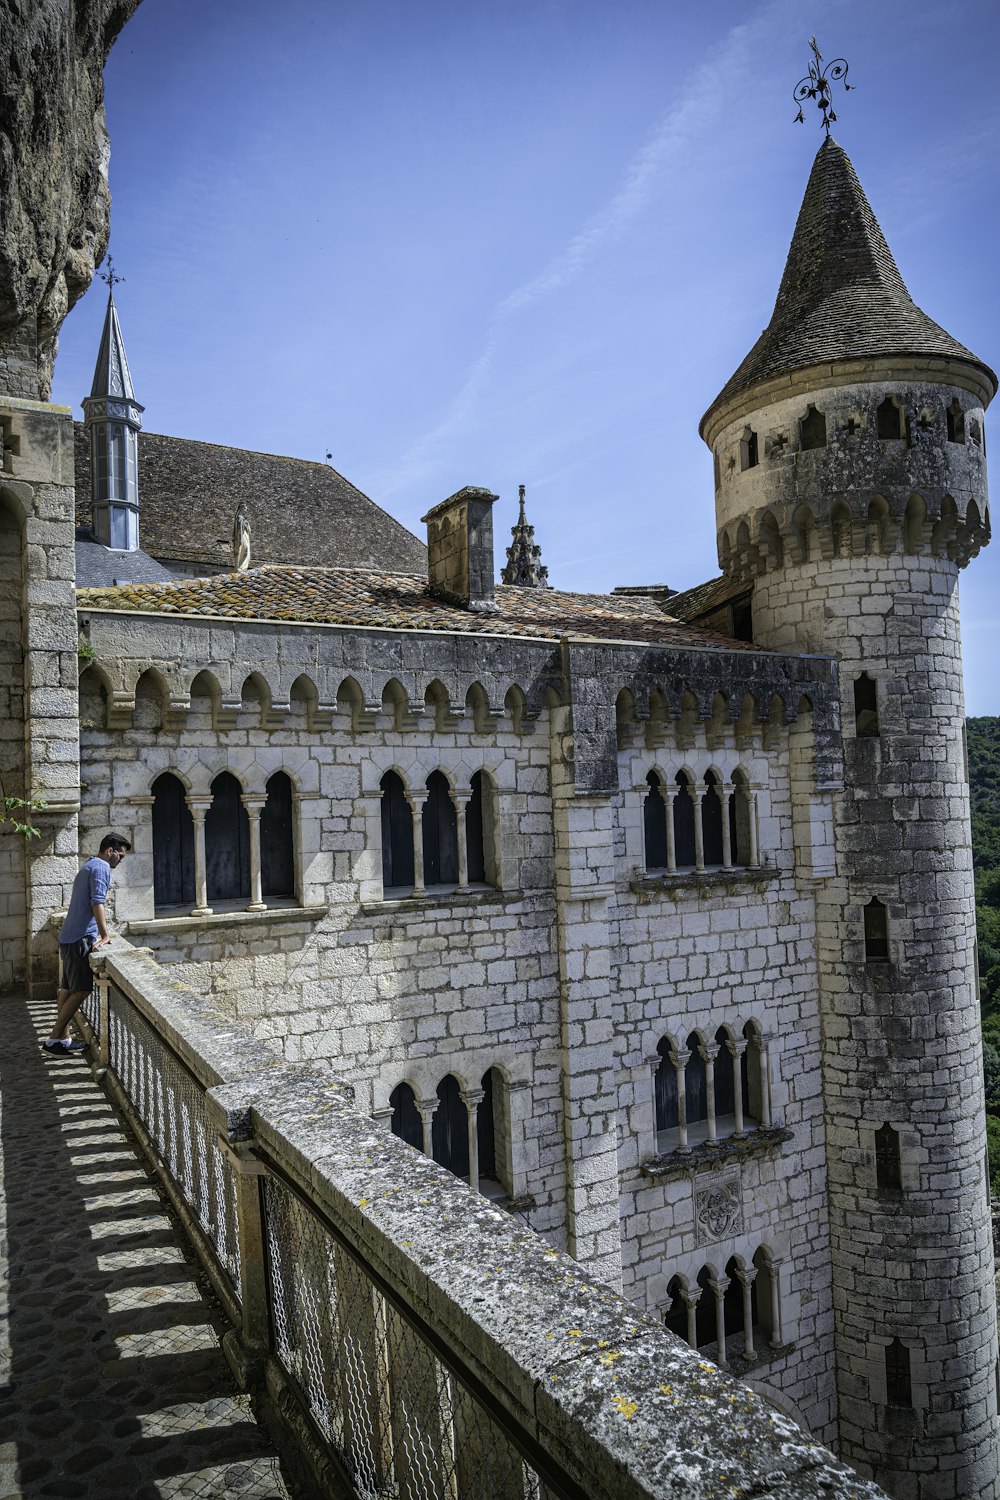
x,y
983,737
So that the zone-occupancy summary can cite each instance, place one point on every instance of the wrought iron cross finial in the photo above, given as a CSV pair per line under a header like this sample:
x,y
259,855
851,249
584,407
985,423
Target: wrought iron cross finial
x,y
816,85
110,277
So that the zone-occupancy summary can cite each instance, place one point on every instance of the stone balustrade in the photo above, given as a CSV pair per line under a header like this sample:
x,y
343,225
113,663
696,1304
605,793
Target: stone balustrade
x,y
400,1333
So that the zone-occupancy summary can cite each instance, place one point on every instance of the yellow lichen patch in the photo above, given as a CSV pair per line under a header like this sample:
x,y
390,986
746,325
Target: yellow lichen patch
x,y
575,1333
667,1390
363,1202
626,1407
609,1359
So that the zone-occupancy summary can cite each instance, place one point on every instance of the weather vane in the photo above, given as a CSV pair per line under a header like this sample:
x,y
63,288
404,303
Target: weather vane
x,y
110,277
816,85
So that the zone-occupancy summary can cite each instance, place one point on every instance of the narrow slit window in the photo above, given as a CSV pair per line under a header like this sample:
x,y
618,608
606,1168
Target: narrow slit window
x,y
749,450
898,1389
866,707
812,430
876,931
955,418
887,1165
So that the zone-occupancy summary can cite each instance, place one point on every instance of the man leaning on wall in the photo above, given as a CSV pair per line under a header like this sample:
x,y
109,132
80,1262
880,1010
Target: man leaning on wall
x,y
85,928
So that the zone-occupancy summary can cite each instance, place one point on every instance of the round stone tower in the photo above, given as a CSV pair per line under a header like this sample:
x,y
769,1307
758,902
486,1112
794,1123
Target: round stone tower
x,y
850,489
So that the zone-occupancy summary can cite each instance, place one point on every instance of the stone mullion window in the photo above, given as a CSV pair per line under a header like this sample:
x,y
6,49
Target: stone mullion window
x,y
746,1276
708,1056
696,795
426,1109
736,1050
669,794
472,1099
462,800
254,804
719,1286
692,1296
726,797
199,807
416,799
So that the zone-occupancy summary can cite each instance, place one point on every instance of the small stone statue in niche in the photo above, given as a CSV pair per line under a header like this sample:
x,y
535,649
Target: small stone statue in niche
x,y
241,539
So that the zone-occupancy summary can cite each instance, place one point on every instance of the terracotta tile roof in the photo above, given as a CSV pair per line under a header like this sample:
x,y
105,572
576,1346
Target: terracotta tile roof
x,y
299,511
399,601
841,295
704,598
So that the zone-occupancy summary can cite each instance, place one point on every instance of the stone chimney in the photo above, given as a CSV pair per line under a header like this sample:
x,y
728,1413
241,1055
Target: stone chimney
x,y
460,549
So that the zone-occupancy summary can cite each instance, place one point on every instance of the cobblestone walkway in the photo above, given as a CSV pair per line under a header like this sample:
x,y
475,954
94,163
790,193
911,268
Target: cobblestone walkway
x,y
112,1382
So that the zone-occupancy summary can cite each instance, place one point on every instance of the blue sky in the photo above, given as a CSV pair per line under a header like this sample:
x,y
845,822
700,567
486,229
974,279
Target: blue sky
x,y
522,241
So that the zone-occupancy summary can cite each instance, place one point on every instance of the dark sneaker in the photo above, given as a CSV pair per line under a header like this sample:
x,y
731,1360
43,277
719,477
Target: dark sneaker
x,y
64,1044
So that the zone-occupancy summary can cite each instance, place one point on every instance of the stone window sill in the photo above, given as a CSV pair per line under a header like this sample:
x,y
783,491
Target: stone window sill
x,y
223,915
736,1363
678,1163
402,898
647,883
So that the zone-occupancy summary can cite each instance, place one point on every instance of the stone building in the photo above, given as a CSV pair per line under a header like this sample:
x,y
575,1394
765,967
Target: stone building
x,y
649,913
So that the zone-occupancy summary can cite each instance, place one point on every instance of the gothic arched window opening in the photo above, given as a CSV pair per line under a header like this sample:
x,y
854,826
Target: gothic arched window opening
x,y
227,842
654,813
812,430
740,1310
676,1316
481,825
711,820
752,1077
173,844
725,1085
740,813
397,834
665,1098
866,707
696,1090
440,833
898,1388
889,421
277,858
888,1177
876,932
406,1121
450,1128
706,1321
684,846
955,419
749,449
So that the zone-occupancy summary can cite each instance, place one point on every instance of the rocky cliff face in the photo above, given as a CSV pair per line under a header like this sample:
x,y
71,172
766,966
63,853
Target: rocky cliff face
x,y
54,198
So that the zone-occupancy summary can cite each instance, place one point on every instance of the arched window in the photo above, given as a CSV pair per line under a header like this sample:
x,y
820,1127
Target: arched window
x,y
889,421
683,824
277,860
812,430
876,932
676,1316
725,1085
173,844
887,1165
740,813
397,834
227,842
406,1121
493,1135
955,418
706,1321
734,1310
898,1389
711,820
695,1091
440,831
654,813
665,1098
749,452
865,707
481,825
751,1082
767,1308
450,1128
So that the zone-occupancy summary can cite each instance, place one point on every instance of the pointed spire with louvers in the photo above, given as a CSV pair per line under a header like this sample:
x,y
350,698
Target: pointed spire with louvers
x,y
524,566
841,296
113,419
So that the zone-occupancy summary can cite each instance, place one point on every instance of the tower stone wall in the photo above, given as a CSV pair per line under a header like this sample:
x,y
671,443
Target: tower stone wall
x,y
854,546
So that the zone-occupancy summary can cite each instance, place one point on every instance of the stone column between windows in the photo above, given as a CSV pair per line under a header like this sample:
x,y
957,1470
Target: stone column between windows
x,y
726,798
472,1099
764,1069
720,1287
655,1068
708,1056
753,829
682,1106
746,1275
426,1109
199,807
691,1299
671,838
777,1336
736,1051
254,804
699,833
417,800
462,800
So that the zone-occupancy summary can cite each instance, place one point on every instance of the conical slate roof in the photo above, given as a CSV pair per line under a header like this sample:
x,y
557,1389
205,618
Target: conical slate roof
x,y
841,296
111,374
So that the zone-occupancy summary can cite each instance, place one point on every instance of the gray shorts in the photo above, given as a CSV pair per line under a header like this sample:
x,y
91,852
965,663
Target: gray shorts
x,y
77,973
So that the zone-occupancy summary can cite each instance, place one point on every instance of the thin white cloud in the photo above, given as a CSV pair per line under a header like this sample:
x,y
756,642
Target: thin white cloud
x,y
671,145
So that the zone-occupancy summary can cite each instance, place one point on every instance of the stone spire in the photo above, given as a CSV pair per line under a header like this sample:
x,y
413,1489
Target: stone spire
x,y
524,565
113,418
841,296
